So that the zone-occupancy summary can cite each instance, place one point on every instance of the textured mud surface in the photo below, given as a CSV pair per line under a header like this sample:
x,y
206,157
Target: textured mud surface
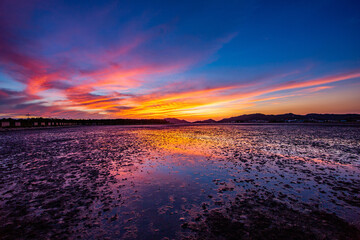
x,y
192,182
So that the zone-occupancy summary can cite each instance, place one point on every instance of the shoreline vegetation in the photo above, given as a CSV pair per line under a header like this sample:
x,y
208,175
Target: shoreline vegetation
x,y
257,118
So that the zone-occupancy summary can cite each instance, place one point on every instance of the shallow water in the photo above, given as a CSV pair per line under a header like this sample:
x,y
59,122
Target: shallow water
x,y
156,181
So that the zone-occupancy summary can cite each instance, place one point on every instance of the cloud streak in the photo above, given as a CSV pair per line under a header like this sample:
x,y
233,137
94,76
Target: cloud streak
x,y
131,63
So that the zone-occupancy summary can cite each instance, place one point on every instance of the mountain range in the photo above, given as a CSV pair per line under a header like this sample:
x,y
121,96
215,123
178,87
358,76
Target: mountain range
x,y
175,120
288,117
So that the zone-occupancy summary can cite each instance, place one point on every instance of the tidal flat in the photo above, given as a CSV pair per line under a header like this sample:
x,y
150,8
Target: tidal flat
x,y
181,182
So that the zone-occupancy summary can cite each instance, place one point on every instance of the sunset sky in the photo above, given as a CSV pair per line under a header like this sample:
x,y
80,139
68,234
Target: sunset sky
x,y
191,60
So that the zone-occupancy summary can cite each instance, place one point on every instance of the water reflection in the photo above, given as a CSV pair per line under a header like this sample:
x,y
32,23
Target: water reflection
x,y
156,182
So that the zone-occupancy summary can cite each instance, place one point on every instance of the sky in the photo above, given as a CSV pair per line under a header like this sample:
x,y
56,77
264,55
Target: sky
x,y
191,60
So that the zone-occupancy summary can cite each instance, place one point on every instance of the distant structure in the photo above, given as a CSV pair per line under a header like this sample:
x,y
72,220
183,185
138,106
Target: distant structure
x,y
54,122
257,118
5,123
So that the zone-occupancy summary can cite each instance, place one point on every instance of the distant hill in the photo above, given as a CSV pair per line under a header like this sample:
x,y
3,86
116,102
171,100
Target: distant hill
x,y
248,118
290,117
175,120
206,121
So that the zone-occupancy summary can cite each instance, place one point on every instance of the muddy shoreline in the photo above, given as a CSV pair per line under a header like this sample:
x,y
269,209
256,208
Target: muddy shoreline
x,y
181,182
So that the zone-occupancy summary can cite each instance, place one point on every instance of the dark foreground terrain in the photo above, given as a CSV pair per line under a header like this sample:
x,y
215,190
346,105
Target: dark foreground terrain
x,y
181,182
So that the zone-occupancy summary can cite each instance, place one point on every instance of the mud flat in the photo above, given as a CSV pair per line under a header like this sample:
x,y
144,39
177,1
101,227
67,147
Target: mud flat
x,y
181,182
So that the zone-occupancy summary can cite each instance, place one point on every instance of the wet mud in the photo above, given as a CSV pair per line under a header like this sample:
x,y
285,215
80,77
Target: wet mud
x,y
181,182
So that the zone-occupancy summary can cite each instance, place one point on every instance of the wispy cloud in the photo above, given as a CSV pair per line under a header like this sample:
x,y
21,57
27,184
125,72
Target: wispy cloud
x,y
130,63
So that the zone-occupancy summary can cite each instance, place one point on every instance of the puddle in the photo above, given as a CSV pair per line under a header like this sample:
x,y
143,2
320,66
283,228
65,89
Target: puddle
x,y
180,182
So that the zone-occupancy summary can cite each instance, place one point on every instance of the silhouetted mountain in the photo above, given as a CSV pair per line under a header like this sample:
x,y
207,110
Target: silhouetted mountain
x,y
175,120
290,117
206,121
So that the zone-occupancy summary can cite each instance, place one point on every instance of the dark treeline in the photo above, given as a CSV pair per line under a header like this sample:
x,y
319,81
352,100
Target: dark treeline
x,y
49,122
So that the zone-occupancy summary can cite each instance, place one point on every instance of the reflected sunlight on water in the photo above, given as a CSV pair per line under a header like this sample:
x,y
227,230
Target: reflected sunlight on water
x,y
154,182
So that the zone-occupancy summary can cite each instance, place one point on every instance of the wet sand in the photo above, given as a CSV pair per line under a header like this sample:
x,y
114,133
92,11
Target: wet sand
x,y
181,182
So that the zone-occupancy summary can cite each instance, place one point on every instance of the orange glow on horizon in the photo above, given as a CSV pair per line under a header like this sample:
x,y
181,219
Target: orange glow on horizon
x,y
193,104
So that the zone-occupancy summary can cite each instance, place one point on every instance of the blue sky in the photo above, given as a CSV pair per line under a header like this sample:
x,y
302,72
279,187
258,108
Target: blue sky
x,y
186,59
